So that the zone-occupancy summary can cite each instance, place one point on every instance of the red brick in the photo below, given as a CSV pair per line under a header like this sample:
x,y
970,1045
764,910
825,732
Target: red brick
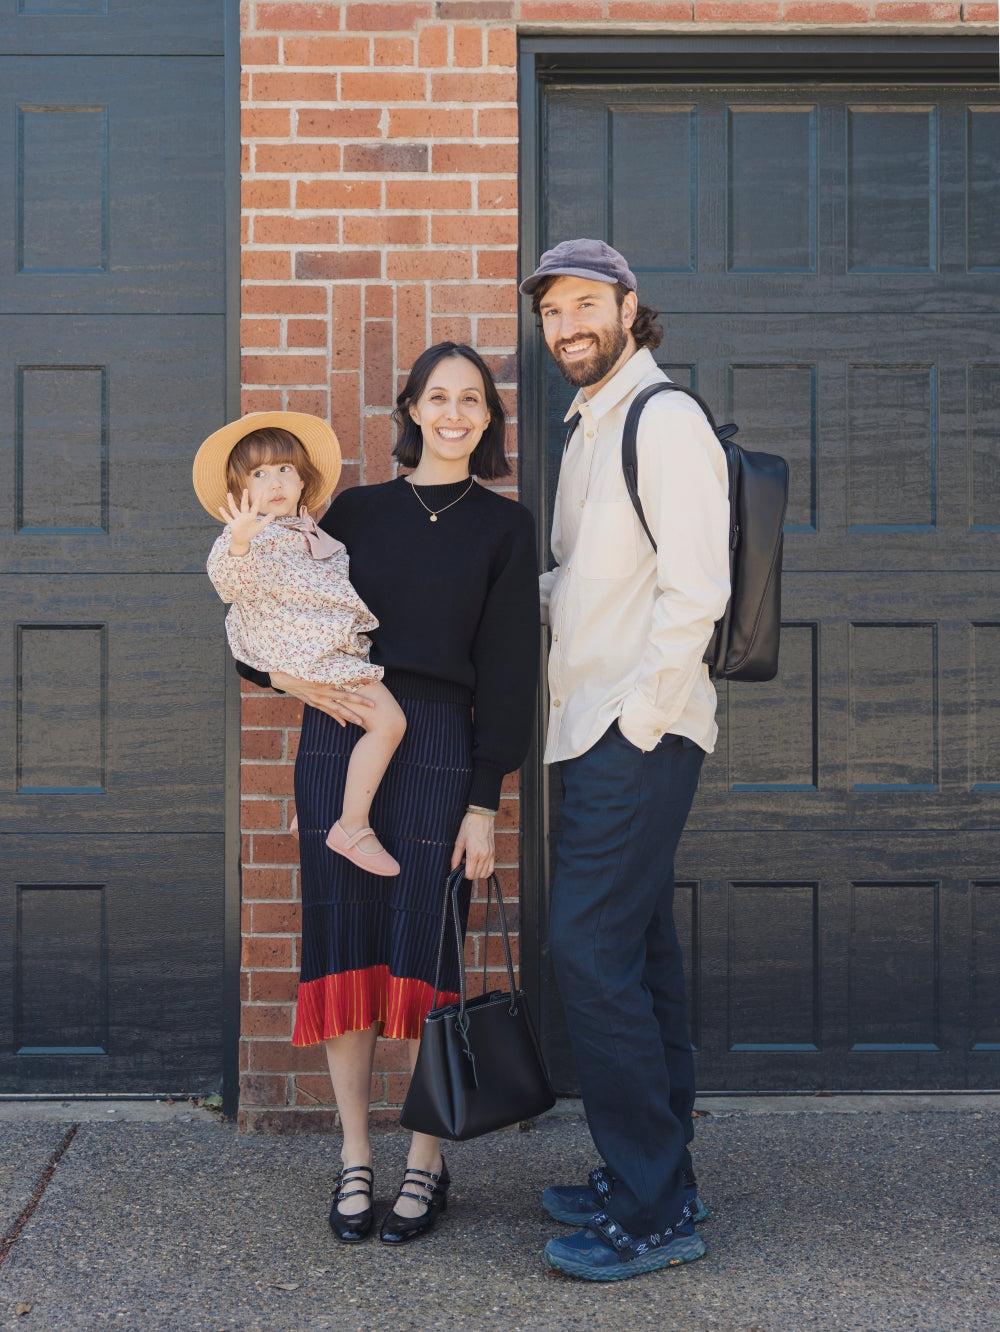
x,y
496,122
378,362
283,369
266,194
411,323
345,414
260,333
294,159
260,400
910,11
267,953
258,51
288,1123
338,123
392,1056
432,47
274,986
345,328
264,708
293,87
269,779
430,122
307,333
392,51
265,265
496,264
979,13
262,1089
265,122
313,1089
385,229
560,11
266,1020
338,194
330,52
455,328
336,265
386,17
378,302
262,814
321,16
496,332
285,300
492,229
496,193
650,11
276,918
282,1057
280,229
385,157
825,11
501,47
474,87
737,11
408,265
396,1087
430,194
467,45
474,298
382,88
479,11
379,435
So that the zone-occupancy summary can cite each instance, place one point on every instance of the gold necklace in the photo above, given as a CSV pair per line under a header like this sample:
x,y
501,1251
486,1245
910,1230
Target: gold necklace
x,y
434,512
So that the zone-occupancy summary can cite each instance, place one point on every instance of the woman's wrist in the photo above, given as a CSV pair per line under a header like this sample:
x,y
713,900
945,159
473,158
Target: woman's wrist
x,y
481,809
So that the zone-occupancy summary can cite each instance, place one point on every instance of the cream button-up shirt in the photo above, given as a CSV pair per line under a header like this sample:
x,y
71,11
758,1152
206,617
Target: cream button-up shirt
x,y
630,625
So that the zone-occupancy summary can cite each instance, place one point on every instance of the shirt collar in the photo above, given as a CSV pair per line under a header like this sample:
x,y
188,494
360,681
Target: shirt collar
x,y
628,378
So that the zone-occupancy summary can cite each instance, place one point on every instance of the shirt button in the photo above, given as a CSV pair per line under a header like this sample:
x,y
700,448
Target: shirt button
x,y
590,434
557,702
583,504
555,638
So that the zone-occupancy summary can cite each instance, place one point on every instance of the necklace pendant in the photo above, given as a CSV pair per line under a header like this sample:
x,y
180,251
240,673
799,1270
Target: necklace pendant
x,y
434,517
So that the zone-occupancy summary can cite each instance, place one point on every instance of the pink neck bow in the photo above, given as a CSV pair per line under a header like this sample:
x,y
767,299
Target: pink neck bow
x,y
321,544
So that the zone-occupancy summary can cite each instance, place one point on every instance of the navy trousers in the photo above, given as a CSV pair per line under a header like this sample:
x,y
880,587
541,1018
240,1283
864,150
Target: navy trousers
x,y
619,967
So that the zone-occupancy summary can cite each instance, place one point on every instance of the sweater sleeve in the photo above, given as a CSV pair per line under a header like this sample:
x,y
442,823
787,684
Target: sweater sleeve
x,y
241,577
505,656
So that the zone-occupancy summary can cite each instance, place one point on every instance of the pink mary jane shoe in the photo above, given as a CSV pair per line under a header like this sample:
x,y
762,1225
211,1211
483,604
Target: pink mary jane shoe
x,y
375,862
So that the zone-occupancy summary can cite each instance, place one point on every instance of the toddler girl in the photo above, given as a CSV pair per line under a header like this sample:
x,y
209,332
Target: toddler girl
x,y
293,607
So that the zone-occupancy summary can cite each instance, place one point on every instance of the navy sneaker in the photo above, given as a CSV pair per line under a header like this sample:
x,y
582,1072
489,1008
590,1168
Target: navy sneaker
x,y
575,1204
606,1252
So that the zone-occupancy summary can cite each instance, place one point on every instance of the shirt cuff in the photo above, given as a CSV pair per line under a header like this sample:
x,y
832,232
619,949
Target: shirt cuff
x,y
640,723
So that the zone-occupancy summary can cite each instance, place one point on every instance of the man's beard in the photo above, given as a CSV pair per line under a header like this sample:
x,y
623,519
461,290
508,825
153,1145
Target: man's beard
x,y
611,342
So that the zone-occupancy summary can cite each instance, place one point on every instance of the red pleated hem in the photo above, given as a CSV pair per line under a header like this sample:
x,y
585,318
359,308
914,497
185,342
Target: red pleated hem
x,y
353,1000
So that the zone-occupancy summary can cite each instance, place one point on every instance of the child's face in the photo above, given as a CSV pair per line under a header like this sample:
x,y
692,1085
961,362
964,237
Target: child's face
x,y
278,486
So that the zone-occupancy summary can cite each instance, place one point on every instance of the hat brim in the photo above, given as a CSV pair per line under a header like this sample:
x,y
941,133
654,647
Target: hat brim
x,y
529,284
315,435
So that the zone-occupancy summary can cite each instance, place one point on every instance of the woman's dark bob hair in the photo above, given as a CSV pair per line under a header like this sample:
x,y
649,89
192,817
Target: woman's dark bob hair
x,y
488,460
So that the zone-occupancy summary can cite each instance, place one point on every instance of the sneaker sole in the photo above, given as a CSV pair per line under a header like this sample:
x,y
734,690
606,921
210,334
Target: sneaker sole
x,y
685,1250
581,1218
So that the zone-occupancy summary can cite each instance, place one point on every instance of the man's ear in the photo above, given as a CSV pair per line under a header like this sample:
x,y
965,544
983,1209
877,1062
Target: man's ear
x,y
630,307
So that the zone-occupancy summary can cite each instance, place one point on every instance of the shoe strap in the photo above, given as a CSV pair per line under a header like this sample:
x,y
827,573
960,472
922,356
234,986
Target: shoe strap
x,y
365,1184
352,841
601,1182
627,1248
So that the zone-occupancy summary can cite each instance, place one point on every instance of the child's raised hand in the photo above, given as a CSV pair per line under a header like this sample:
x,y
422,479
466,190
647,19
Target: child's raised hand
x,y
244,522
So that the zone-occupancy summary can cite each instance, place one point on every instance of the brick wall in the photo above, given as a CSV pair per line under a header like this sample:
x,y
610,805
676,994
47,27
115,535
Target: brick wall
x,y
380,215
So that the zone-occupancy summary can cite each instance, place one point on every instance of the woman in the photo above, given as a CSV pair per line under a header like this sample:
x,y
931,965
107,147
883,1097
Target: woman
x,y
449,569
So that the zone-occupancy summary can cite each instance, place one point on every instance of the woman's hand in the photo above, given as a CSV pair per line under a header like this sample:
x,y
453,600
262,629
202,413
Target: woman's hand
x,y
475,846
343,705
245,521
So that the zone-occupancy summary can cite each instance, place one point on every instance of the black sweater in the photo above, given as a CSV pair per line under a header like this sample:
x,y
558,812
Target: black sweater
x,y
457,605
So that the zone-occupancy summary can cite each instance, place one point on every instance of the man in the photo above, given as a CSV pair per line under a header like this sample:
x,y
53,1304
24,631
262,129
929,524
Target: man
x,y
632,715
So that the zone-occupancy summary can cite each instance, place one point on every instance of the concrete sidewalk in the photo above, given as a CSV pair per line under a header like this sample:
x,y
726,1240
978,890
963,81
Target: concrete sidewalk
x,y
828,1213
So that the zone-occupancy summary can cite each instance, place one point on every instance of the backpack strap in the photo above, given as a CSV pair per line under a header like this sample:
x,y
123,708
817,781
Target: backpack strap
x,y
630,456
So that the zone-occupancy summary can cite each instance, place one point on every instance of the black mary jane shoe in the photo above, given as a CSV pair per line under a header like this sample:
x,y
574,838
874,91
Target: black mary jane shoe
x,y
423,1187
350,1229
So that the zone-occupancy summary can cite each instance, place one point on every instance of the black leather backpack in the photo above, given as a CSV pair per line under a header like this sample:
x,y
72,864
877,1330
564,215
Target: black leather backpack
x,y
744,645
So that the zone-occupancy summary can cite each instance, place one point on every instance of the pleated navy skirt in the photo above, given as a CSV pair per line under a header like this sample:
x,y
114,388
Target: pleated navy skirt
x,y
369,944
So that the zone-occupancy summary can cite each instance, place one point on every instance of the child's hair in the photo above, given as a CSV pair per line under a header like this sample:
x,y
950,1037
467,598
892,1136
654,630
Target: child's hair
x,y
272,444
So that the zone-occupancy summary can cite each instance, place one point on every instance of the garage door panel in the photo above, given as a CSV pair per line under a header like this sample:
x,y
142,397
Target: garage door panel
x,y
119,201
116,723
108,950
99,421
118,27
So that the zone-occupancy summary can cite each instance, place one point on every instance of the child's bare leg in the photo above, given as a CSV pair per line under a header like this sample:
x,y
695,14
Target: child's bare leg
x,y
384,727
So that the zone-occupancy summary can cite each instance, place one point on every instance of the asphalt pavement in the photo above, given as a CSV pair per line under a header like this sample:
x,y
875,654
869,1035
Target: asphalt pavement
x,y
879,1214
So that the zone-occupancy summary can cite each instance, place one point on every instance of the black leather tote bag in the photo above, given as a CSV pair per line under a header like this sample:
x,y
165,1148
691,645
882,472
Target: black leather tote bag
x,y
480,1066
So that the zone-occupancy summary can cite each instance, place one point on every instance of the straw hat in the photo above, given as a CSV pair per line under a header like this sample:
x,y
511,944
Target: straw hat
x,y
316,437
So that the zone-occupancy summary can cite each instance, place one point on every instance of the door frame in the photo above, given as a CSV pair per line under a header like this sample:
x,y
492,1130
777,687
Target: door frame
x,y
599,58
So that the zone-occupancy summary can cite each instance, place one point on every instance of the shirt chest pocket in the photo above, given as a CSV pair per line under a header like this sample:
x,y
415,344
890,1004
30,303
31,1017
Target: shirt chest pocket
x,y
606,546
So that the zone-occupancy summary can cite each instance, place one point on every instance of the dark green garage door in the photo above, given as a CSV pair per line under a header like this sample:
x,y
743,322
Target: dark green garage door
x,y
112,367
827,262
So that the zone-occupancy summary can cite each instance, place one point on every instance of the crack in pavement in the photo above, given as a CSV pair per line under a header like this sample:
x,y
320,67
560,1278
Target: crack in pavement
x,y
10,1239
